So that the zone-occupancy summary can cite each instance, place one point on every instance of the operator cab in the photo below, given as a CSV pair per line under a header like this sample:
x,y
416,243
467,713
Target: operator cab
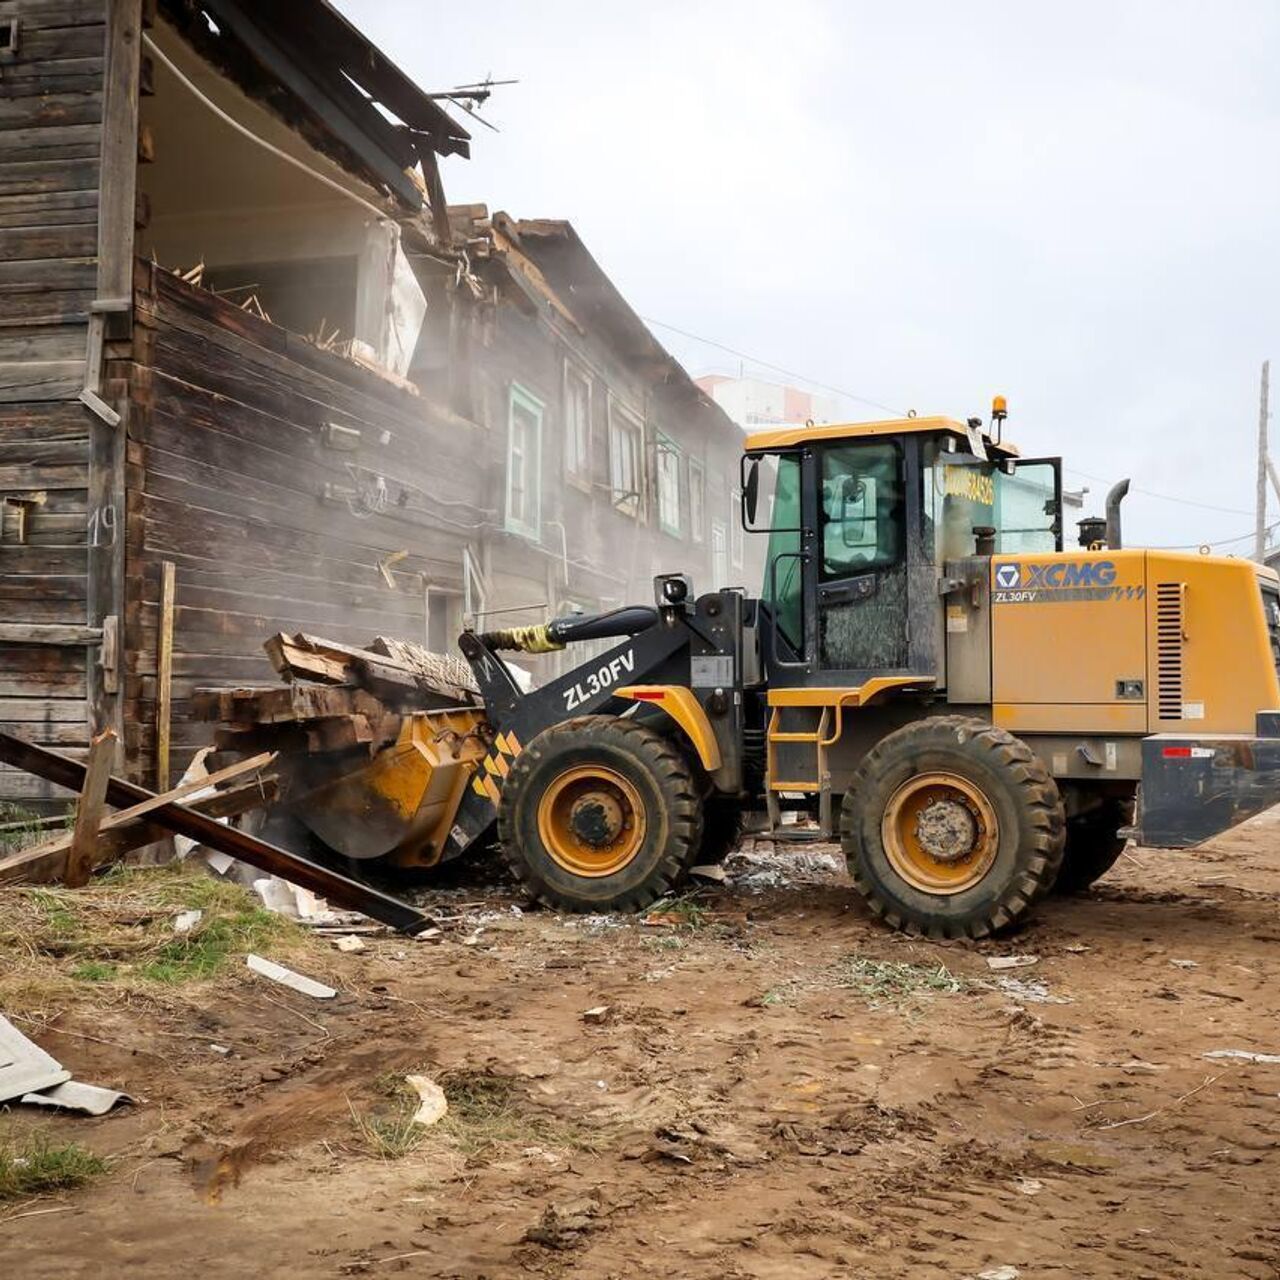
x,y
863,519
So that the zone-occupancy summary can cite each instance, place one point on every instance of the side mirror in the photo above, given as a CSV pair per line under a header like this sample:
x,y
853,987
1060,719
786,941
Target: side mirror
x,y
751,494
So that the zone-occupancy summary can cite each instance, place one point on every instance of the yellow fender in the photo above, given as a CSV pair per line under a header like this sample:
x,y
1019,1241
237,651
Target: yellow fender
x,y
680,704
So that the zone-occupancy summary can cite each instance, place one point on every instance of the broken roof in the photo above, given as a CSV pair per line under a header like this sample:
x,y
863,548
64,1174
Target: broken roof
x,y
573,282
329,81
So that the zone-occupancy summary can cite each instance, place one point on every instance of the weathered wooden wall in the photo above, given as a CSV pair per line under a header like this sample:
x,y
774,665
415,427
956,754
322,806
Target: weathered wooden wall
x,y
612,556
51,95
230,449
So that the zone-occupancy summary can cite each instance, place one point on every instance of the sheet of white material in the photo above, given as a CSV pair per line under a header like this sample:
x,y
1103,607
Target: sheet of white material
x,y
25,1067
74,1096
287,977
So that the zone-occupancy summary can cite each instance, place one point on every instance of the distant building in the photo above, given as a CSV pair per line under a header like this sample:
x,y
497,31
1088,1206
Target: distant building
x,y
752,402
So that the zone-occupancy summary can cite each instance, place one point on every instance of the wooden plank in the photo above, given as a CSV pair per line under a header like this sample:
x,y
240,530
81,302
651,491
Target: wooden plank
x,y
52,43
62,844
56,208
24,243
114,278
41,380
119,146
72,142
41,342
38,561
37,450
93,794
45,633
49,710
37,14
24,866
164,675
26,177
51,111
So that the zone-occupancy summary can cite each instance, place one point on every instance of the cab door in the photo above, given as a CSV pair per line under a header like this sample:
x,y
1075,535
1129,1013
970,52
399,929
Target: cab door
x,y
860,579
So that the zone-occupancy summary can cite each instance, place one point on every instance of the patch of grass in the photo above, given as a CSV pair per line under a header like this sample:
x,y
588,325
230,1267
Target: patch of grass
x,y
390,1133
36,1165
679,913
20,826
885,981
204,951
487,1112
119,930
877,981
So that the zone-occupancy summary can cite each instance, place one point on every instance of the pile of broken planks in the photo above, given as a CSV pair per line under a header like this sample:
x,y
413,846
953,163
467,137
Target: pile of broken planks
x,y
336,698
96,841
97,787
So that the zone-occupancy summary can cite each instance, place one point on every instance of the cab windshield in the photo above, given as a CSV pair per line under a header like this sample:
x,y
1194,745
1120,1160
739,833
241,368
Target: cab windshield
x,y
963,493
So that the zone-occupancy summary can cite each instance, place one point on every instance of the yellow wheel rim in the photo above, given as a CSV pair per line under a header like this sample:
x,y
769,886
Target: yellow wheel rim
x,y
591,820
940,833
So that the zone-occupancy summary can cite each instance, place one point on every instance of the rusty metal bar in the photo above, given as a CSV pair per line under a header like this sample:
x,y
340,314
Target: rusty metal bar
x,y
54,767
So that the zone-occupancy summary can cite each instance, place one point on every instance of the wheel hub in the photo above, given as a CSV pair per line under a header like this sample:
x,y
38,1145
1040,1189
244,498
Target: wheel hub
x,y
596,818
591,820
946,830
940,832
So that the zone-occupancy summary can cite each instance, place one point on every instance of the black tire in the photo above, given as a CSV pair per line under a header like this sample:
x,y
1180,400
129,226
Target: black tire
x,y
1094,844
722,826
1025,851
660,776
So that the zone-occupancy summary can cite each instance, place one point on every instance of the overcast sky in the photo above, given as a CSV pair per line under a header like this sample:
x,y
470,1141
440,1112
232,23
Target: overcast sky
x,y
922,205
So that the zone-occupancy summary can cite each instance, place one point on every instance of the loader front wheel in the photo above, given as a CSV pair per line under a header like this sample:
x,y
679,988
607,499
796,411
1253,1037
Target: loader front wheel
x,y
952,828
599,814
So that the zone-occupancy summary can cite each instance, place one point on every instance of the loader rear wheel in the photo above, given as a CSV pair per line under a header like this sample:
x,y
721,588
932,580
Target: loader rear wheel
x,y
952,828
1094,844
722,825
599,814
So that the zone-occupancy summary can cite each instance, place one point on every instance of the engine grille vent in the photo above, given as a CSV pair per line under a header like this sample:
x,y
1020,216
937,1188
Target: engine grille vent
x,y
1169,627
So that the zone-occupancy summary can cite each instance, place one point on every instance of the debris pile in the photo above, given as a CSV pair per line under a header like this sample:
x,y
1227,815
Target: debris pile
x,y
335,697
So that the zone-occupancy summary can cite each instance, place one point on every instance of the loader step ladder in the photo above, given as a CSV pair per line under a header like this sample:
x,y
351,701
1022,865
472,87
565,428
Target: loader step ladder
x,y
820,739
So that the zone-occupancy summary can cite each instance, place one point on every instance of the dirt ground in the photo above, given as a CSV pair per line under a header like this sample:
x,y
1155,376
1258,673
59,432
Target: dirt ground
x,y
775,1087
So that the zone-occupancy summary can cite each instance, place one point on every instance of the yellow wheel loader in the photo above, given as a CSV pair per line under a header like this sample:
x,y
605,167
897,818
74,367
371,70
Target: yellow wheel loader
x,y
974,708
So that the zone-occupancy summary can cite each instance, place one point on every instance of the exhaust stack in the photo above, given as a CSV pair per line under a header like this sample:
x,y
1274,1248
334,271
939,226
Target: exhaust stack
x,y
1114,499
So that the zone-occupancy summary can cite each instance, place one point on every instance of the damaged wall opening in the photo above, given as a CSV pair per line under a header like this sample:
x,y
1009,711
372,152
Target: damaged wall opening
x,y
254,228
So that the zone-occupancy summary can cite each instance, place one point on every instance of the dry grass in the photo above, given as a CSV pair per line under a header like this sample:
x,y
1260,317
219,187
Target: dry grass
x,y
488,1113
32,1165
118,932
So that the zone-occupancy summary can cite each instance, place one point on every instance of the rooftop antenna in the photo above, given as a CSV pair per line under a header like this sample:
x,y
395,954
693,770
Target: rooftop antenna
x,y
470,96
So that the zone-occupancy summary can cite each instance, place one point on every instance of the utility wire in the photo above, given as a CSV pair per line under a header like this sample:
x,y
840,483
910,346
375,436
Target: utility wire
x,y
764,364
1165,497
877,404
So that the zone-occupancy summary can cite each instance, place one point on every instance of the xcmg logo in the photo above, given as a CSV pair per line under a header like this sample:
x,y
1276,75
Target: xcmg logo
x,y
1061,573
1060,581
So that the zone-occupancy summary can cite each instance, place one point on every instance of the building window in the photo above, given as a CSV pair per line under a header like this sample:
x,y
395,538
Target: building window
x,y
625,438
577,424
735,529
697,500
524,463
668,486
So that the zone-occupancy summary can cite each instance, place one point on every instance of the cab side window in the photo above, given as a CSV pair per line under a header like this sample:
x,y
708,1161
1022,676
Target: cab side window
x,y
862,500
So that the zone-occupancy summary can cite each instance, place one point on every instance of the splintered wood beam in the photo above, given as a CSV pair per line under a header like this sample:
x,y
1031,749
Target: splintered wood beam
x,y
340,890
47,862
93,794
164,675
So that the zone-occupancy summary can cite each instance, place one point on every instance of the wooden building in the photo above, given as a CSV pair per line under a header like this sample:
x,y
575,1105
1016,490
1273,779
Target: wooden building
x,y
256,376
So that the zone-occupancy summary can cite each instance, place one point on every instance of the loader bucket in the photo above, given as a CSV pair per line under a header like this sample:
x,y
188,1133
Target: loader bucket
x,y
400,804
